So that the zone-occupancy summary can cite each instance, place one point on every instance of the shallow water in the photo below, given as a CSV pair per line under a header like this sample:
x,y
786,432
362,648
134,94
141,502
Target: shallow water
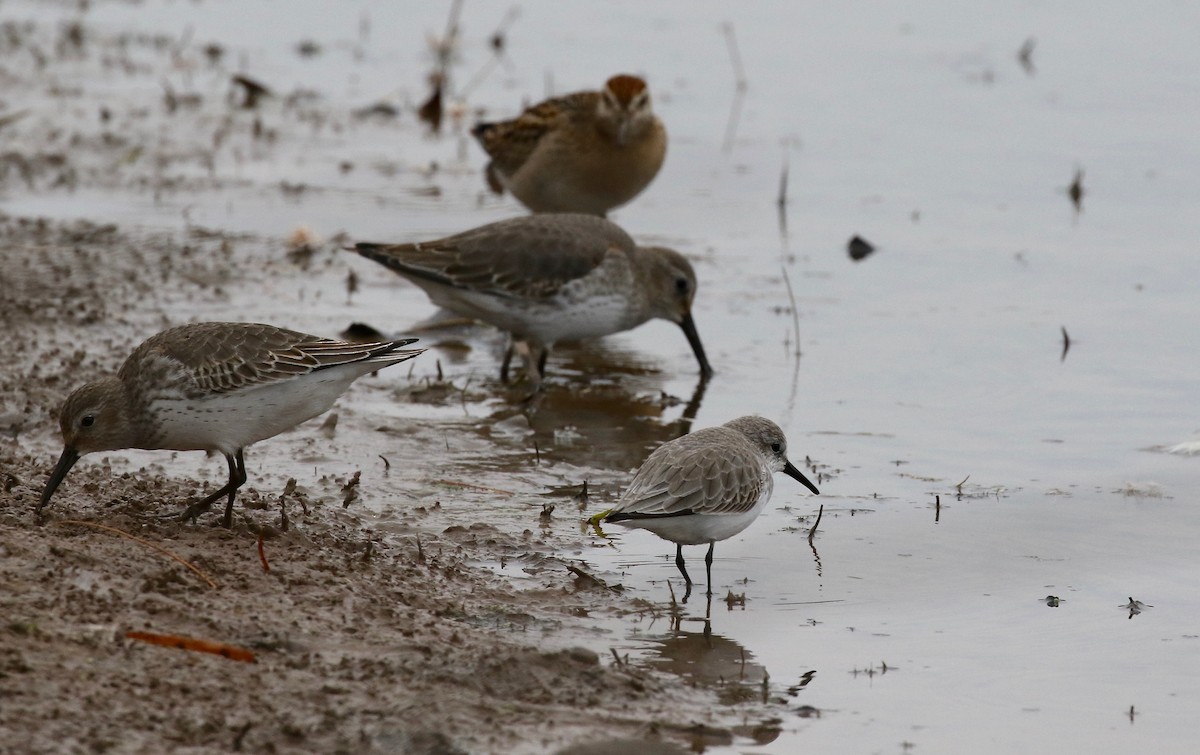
x,y
936,359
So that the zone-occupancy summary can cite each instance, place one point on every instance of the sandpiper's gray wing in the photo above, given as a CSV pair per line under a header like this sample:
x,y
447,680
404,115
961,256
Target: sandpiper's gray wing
x,y
712,471
529,257
219,357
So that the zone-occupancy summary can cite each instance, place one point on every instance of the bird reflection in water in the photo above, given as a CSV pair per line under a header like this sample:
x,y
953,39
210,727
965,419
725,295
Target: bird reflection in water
x,y
710,660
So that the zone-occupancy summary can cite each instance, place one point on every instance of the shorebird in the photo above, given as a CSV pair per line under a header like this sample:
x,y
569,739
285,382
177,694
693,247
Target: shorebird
x,y
582,152
550,278
706,486
213,386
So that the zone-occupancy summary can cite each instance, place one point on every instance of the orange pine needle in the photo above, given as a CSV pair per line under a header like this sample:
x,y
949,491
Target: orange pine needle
x,y
262,555
232,652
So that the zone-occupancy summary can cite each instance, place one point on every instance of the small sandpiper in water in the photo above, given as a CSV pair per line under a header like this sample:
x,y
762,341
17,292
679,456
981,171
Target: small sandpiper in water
x,y
550,278
582,152
706,486
214,386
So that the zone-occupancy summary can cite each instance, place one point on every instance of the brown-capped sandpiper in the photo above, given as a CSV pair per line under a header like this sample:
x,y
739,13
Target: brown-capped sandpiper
x,y
583,152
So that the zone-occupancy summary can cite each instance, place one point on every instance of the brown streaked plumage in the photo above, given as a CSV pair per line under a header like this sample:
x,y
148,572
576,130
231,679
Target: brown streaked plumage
x,y
213,386
706,486
550,278
584,152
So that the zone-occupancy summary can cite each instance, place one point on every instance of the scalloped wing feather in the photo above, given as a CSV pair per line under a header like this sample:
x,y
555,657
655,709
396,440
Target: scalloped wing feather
x,y
207,358
510,143
531,257
696,476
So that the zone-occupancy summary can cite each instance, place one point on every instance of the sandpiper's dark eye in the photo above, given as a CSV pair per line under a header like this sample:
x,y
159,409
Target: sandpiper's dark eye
x,y
776,447
682,285
88,421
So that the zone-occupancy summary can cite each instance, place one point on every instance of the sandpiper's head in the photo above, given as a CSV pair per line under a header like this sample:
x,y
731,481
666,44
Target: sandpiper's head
x,y
624,110
92,419
771,444
671,284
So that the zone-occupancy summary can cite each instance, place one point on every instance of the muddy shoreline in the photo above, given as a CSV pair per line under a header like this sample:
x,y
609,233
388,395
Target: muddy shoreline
x,y
371,631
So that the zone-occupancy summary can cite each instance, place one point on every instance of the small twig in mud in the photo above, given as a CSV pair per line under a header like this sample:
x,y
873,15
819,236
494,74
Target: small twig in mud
x,y
232,652
351,284
146,543
387,465
813,530
959,485
795,312
262,555
369,550
288,489
616,657
350,490
537,454
454,484
547,511
1066,344
462,395
674,604
582,498
440,376
420,550
937,509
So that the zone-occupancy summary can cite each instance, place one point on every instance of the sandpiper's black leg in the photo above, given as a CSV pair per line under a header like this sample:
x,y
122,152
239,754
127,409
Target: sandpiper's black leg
x,y
504,365
708,565
687,593
541,365
237,478
679,563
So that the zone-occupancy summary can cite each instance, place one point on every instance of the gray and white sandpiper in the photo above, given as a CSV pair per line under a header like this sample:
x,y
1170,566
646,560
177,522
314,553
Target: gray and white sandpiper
x,y
214,386
550,278
706,486
583,152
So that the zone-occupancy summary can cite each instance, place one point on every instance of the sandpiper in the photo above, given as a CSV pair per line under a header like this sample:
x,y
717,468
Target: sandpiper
x,y
214,386
550,278
582,152
706,486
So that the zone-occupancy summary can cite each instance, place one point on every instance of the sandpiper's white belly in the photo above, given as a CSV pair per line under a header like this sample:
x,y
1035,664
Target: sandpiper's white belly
x,y
226,422
595,305
697,529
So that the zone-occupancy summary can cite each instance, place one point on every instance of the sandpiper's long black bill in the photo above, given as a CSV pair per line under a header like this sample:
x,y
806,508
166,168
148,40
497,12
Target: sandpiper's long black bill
x,y
65,462
790,470
689,330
